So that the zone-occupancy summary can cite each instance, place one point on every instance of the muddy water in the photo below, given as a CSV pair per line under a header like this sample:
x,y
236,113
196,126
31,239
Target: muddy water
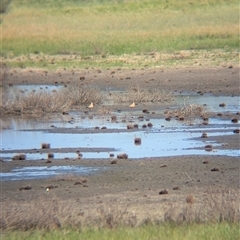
x,y
165,138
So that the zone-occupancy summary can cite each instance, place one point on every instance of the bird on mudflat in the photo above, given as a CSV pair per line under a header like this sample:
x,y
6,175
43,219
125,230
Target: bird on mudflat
x,y
132,105
91,105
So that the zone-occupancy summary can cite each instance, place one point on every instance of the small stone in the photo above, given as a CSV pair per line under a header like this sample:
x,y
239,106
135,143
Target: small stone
x,y
215,169
165,191
190,199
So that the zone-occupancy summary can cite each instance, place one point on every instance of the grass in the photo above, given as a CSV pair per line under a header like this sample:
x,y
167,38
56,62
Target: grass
x,y
71,97
104,30
50,213
138,94
220,231
42,102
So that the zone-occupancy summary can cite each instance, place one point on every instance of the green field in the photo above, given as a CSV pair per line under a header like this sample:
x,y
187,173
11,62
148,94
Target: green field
x,y
109,33
221,231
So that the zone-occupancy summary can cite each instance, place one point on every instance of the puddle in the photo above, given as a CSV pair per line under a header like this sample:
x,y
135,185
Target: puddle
x,y
212,102
12,91
26,173
165,138
155,142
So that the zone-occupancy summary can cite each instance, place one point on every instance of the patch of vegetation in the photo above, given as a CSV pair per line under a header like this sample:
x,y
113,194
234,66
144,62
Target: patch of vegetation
x,y
220,231
114,28
4,5
43,102
139,94
215,207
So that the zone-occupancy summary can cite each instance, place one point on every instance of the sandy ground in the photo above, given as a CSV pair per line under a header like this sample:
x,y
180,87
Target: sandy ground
x,y
133,183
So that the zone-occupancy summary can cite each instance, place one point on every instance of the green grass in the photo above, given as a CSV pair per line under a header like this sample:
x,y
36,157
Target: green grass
x,y
114,28
220,231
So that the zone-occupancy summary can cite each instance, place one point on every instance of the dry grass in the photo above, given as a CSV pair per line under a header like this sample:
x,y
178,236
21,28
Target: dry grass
x,y
212,206
82,95
139,94
187,110
41,102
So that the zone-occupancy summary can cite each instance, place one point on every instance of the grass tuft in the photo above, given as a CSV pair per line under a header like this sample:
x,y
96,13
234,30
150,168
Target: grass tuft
x,y
42,102
139,94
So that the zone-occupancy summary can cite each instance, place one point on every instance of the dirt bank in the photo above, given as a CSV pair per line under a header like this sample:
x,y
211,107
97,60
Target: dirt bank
x,y
218,81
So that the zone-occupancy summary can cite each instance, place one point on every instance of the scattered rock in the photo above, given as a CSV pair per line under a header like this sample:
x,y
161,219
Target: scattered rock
x,y
149,124
236,131
25,188
190,199
122,156
19,157
168,118
50,187
114,118
181,118
215,169
50,155
234,120
165,191
208,147
205,162
78,183
145,111
65,113
45,145
204,135
205,119
130,126
222,105
176,188
114,161
164,165
137,141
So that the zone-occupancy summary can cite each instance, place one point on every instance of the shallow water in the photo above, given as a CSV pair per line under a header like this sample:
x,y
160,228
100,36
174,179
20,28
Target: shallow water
x,y
37,172
165,138
212,102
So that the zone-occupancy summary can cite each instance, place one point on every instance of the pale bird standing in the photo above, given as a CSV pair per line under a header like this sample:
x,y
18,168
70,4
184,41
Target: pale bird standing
x,y
91,106
132,105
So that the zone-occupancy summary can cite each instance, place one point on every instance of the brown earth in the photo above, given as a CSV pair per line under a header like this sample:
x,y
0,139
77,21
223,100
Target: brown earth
x,y
218,81
131,184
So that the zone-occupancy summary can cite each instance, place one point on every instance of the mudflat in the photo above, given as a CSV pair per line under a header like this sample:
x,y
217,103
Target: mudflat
x,y
144,187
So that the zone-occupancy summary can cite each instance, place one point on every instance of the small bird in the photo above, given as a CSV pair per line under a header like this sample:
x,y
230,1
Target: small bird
x,y
91,105
132,105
